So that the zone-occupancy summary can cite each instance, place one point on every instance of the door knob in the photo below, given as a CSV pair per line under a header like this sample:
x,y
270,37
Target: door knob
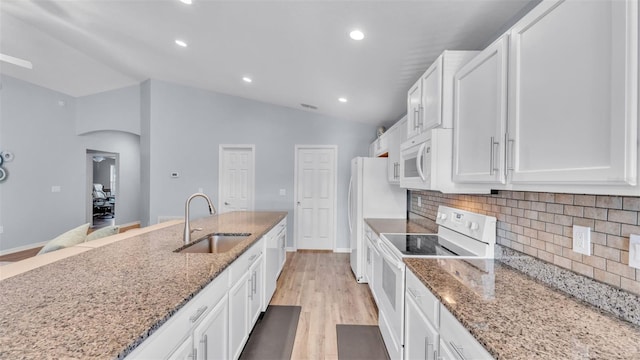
x,y
226,203
298,203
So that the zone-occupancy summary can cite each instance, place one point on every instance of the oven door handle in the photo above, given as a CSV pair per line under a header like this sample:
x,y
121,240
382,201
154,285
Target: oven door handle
x,y
386,253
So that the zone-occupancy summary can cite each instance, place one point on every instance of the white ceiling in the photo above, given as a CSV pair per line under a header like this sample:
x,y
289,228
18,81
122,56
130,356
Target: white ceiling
x,y
295,51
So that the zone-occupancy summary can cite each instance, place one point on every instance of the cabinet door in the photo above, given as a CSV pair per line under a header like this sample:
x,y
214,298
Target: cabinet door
x,y
421,339
184,351
573,73
256,284
414,105
283,247
480,117
393,164
238,316
431,111
212,335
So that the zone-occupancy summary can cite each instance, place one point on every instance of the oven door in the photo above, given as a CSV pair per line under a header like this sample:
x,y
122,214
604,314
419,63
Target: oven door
x,y
389,280
415,162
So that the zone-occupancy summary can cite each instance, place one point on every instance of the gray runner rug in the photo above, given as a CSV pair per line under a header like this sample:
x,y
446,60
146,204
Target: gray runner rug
x,y
273,336
356,342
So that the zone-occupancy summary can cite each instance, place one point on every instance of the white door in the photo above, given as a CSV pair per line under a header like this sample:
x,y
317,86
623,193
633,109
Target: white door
x,y
315,197
236,178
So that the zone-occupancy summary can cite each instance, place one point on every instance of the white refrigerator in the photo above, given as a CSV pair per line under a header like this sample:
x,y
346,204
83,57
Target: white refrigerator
x,y
370,196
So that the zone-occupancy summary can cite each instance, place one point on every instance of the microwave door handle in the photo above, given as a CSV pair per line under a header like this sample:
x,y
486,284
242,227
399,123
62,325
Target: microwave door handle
x,y
419,161
349,204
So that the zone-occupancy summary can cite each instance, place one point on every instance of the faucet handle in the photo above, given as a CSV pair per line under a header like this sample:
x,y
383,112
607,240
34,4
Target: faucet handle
x,y
196,229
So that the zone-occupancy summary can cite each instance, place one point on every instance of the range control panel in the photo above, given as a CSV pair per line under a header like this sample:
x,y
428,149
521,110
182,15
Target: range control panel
x,y
478,226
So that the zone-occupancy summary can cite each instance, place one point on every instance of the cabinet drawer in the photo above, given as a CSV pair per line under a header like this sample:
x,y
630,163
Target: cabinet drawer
x,y
458,339
241,265
425,300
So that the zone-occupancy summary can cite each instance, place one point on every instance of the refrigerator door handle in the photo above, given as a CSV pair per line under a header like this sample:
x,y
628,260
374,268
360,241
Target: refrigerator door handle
x,y
349,205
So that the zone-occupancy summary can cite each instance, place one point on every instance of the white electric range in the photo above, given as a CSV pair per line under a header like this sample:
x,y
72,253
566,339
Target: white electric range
x,y
461,234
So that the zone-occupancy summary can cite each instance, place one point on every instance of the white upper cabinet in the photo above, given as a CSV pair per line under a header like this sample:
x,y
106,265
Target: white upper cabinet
x,y
430,99
396,135
573,97
480,117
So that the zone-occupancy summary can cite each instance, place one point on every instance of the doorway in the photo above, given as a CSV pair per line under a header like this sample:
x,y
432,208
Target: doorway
x,y
236,178
102,187
315,197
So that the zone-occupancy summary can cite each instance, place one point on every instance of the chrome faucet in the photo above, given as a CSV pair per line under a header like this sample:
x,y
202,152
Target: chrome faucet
x,y
187,226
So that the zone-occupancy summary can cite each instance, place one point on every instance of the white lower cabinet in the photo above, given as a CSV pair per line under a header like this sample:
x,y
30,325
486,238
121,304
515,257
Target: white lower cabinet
x,y
255,290
421,340
431,331
238,316
185,351
275,256
211,335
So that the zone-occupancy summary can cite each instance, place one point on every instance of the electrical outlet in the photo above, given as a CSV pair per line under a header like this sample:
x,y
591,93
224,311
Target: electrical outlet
x,y
56,189
283,192
200,190
1,229
419,201
175,174
634,251
582,239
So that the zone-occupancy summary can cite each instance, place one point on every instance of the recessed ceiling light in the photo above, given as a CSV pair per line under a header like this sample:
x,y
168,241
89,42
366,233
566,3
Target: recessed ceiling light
x,y
181,43
188,2
247,79
342,100
356,35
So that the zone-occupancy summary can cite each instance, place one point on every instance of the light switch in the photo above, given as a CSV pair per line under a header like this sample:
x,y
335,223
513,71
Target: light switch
x,y
1,229
56,189
200,190
634,251
283,192
582,239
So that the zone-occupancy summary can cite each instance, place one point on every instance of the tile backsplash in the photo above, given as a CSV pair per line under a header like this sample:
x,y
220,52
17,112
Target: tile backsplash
x,y
541,225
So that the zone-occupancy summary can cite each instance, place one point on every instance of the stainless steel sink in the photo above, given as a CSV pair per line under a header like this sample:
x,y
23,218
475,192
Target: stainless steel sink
x,y
214,243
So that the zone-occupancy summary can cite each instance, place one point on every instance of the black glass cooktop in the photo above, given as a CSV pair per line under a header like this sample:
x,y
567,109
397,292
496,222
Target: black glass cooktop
x,y
424,245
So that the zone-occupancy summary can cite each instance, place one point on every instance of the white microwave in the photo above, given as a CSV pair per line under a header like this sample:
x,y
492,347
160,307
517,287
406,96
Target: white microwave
x,y
415,162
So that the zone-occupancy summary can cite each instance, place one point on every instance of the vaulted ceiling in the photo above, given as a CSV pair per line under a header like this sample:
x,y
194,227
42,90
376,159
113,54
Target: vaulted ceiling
x,y
295,52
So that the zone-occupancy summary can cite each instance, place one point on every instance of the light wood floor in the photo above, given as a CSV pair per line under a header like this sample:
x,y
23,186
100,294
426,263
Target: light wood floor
x,y
323,284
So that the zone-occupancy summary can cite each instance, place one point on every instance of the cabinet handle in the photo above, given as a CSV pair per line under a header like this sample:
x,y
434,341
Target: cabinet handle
x,y
426,347
413,293
420,119
253,257
204,341
492,154
198,313
251,288
254,282
510,150
459,351
194,354
416,113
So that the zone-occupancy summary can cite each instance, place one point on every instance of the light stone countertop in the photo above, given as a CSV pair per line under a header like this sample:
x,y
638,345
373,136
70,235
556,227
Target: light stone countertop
x,y
515,316
102,303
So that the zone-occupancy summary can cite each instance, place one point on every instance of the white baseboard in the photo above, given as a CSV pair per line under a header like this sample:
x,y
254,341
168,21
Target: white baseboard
x,y
21,248
291,249
342,250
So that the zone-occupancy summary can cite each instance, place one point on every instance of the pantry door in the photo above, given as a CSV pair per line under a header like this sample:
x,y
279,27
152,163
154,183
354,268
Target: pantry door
x,y
236,178
315,200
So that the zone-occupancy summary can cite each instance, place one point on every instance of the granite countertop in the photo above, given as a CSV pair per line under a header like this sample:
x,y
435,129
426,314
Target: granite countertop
x,y
515,316
103,302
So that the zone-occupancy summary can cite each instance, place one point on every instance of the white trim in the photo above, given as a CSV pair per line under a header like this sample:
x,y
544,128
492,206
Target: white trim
x,y
252,184
297,147
342,250
291,249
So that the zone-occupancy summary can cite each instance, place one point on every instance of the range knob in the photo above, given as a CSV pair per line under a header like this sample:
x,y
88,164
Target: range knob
x,y
474,226
442,216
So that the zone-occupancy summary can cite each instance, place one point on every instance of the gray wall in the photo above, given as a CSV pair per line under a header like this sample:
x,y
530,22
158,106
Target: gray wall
x,y
102,172
42,135
185,126
110,110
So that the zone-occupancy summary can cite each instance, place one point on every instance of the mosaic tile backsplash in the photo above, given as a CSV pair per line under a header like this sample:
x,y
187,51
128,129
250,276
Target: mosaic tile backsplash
x,y
540,225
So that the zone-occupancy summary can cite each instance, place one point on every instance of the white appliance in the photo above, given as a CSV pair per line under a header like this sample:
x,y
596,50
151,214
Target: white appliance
x,y
370,196
461,234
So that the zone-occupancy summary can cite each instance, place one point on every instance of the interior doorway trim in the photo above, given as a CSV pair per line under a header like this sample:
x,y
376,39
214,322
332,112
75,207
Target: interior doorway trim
x,y
252,178
90,153
295,192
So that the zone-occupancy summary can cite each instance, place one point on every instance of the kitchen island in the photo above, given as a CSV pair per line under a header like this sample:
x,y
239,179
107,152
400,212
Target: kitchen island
x,y
104,302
